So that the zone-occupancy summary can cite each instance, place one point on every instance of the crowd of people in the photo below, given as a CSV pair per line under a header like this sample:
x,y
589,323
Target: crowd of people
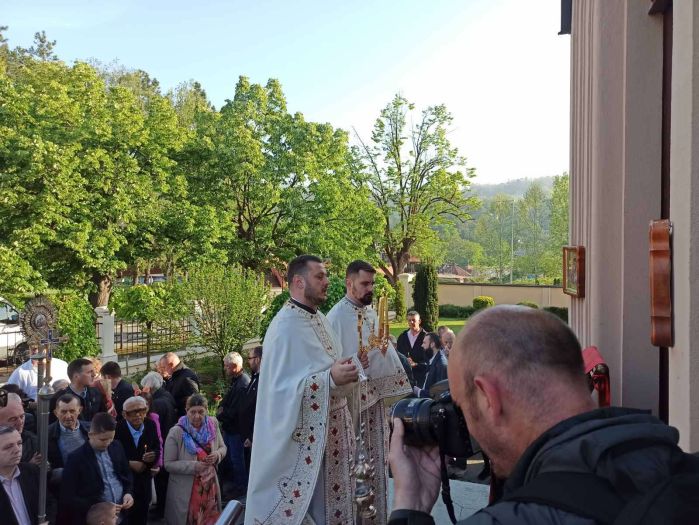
x,y
296,452
112,445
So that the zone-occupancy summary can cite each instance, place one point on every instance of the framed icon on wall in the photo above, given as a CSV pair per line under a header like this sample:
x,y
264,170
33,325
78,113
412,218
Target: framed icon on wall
x,y
574,271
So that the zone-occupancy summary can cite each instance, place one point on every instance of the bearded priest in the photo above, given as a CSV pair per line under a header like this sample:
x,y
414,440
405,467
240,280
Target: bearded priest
x,y
300,471
382,379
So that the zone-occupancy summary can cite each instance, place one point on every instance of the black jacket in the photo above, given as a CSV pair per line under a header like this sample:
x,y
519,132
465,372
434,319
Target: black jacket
x,y
30,445
54,452
229,409
416,353
408,369
121,393
164,405
593,443
436,372
183,383
248,404
94,402
82,485
149,439
29,482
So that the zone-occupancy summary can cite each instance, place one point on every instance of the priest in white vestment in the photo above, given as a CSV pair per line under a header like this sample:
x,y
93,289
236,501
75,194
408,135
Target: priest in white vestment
x,y
383,379
301,466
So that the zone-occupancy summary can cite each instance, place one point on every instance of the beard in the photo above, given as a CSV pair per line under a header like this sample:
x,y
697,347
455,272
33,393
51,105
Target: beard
x,y
367,298
315,297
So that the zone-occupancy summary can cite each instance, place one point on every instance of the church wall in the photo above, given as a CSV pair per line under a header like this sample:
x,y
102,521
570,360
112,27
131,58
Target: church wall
x,y
684,213
616,95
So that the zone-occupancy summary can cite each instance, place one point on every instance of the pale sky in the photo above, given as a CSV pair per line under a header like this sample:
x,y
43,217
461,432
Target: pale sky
x,y
498,65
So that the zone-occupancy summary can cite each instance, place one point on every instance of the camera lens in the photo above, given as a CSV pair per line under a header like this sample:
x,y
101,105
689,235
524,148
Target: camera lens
x,y
415,413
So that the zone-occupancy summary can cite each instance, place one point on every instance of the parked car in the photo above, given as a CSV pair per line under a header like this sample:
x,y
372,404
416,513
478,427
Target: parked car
x,y
12,343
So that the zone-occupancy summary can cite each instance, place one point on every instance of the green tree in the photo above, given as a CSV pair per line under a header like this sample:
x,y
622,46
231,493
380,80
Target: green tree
x,y
532,220
558,229
417,180
283,184
494,233
160,307
426,296
229,303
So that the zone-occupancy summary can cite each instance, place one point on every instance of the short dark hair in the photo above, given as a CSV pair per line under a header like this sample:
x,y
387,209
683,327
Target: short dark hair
x,y
256,351
67,398
111,369
102,422
357,266
434,338
298,266
76,366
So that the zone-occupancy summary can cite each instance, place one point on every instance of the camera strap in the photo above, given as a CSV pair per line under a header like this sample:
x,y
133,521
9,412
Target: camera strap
x,y
446,489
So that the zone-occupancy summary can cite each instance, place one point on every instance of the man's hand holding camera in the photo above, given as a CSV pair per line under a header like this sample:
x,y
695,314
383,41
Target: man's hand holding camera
x,y
416,472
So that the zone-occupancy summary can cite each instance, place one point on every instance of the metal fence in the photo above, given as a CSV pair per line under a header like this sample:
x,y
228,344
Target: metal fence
x,y
12,352
133,339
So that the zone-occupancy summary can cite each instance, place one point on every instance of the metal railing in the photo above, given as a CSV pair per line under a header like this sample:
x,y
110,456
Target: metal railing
x,y
231,514
135,339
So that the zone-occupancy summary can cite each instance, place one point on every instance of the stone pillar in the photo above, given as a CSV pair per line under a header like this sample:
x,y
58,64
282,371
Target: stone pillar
x,y
106,320
684,213
616,112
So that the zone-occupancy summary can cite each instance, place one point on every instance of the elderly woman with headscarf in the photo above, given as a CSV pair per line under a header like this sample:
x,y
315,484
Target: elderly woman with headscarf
x,y
193,449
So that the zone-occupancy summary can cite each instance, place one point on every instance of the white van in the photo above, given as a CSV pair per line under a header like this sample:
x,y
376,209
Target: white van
x,y
13,350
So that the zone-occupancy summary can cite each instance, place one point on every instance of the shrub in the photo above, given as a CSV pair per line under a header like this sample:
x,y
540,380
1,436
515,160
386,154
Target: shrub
x,y
559,311
456,312
336,291
229,305
483,301
530,304
425,296
399,301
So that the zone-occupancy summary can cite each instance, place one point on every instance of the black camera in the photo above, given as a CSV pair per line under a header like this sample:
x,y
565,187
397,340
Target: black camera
x,y
435,421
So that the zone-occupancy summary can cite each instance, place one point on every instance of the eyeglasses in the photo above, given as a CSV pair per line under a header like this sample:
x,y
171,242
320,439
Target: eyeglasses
x,y
3,398
136,411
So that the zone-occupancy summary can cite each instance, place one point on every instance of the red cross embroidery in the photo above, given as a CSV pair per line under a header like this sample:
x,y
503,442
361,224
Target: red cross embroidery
x,y
312,438
334,431
314,387
297,494
338,513
309,460
315,406
288,513
336,487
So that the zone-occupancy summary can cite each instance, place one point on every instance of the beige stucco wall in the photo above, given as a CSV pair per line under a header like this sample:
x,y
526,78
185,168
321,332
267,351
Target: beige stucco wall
x,y
616,96
684,213
463,294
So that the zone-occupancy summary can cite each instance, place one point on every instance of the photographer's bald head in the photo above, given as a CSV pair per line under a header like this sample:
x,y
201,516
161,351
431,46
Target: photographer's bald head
x,y
515,372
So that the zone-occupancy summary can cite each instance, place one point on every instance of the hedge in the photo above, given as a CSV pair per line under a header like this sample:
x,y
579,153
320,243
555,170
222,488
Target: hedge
x,y
483,301
559,311
455,312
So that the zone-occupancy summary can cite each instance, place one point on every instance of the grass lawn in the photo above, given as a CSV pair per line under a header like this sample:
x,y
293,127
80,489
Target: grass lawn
x,y
454,324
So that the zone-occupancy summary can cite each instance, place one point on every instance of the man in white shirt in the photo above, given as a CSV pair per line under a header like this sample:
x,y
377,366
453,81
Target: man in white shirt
x,y
19,504
26,376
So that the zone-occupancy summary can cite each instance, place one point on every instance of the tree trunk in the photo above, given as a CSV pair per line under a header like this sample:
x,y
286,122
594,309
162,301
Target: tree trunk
x,y
100,297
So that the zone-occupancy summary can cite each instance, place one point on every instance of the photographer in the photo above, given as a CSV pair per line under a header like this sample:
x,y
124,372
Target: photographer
x,y
517,375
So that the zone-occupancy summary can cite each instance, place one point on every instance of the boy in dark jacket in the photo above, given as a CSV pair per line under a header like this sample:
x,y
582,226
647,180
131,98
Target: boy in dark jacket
x,y
97,471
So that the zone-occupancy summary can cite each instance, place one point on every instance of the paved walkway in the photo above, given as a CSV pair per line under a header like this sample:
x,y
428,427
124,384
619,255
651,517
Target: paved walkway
x,y
468,498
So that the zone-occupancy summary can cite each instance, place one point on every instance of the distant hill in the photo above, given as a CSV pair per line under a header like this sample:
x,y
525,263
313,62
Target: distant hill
x,y
512,188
